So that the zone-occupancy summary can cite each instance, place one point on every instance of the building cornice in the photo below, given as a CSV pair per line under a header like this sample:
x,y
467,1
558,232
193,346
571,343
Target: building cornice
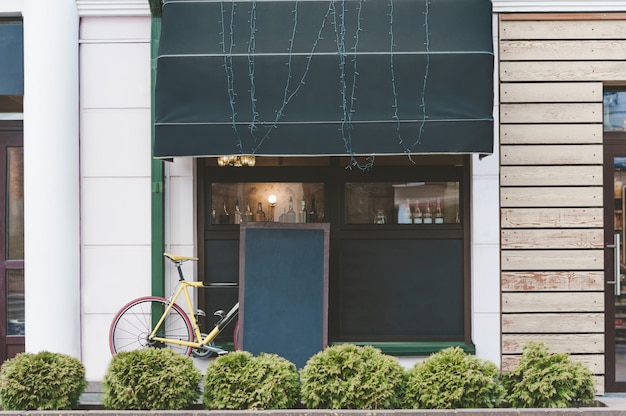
x,y
113,7
142,7
558,5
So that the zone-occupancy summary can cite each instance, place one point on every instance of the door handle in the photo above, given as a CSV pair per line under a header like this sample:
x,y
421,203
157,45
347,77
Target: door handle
x,y
616,265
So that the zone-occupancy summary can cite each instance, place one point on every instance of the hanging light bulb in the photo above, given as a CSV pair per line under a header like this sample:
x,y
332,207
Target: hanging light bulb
x,y
236,160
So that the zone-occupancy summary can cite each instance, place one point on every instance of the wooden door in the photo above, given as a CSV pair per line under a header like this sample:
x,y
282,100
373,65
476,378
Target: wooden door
x,y
12,245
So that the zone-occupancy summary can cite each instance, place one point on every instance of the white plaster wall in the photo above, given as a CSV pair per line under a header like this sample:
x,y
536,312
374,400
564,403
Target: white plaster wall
x,y
115,176
485,211
180,217
11,7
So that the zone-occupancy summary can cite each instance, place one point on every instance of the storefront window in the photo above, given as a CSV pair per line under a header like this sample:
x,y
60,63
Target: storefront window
x,y
398,268
415,203
287,202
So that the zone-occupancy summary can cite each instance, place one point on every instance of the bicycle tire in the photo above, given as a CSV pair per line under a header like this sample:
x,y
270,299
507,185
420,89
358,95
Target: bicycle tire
x,y
133,323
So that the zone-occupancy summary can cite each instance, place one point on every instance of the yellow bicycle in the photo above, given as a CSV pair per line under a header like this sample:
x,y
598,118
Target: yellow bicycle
x,y
155,322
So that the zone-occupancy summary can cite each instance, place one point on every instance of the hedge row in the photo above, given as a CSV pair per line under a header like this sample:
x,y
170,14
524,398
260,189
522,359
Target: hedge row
x,y
340,377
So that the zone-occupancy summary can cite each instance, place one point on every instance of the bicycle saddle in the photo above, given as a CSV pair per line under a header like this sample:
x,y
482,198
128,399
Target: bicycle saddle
x,y
174,257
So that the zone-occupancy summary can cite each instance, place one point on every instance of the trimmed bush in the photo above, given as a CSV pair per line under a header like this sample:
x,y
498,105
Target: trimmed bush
x,y
240,381
42,381
351,377
150,379
542,379
452,379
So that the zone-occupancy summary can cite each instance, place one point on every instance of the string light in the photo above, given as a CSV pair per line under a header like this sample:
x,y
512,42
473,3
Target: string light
x,y
348,93
228,67
251,67
423,93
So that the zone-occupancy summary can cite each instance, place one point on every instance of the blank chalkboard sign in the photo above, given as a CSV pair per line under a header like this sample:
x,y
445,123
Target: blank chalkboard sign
x,y
283,289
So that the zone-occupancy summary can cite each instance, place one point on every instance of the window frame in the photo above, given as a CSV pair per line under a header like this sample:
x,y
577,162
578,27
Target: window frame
x,y
334,175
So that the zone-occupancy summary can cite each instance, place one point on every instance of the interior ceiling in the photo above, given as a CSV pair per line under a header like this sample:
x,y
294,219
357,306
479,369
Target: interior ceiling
x,y
11,104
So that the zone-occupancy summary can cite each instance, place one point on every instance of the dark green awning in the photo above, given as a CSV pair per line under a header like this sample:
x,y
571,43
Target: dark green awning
x,y
316,77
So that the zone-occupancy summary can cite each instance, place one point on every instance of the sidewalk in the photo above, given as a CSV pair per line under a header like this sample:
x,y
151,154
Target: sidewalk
x,y
91,405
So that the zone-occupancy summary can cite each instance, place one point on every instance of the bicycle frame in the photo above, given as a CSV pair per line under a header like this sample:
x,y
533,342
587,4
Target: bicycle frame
x,y
202,342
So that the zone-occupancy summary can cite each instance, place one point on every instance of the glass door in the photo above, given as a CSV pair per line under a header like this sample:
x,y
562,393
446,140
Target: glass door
x,y
615,258
12,245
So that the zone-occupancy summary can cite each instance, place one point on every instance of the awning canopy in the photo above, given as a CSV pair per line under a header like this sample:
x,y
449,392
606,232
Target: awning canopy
x,y
324,77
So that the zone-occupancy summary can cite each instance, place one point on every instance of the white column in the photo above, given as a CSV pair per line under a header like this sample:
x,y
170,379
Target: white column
x,y
51,176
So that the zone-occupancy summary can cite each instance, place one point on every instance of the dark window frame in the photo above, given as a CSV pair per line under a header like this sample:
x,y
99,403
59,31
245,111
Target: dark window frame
x,y
334,176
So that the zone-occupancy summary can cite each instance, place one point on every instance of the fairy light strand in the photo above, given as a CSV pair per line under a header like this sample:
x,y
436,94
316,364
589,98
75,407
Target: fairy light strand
x,y
426,70
228,67
348,92
287,95
251,69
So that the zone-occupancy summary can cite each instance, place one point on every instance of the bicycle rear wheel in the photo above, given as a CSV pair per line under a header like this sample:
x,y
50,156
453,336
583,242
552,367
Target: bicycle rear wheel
x,y
134,322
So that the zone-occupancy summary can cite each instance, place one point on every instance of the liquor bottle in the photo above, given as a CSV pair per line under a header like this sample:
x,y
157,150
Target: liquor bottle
x,y
303,214
259,216
291,214
224,216
428,215
458,217
438,213
417,213
312,211
248,216
213,216
238,217
404,213
283,216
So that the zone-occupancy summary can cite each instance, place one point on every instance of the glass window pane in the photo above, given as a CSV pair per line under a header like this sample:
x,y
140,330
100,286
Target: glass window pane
x,y
402,202
15,203
15,302
295,202
614,111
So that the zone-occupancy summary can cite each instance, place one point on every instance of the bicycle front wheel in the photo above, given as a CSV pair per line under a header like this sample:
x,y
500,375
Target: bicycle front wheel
x,y
134,322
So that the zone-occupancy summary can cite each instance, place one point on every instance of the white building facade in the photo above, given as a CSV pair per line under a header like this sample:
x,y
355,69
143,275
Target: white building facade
x,y
90,187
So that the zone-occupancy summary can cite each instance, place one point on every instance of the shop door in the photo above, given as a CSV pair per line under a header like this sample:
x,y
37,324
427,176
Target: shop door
x,y
12,245
615,258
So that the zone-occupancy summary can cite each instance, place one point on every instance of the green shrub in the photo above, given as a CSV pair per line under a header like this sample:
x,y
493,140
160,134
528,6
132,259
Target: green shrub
x,y
542,379
42,381
150,379
351,377
452,379
240,381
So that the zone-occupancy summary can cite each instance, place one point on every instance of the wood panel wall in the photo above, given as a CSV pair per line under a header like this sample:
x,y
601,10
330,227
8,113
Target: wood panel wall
x,y
552,72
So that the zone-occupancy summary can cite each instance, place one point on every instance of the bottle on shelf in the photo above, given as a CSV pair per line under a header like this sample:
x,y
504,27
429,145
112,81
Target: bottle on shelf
x,y
259,216
428,215
381,217
224,216
291,214
213,216
404,213
438,212
312,211
283,217
417,213
458,217
248,216
238,217
303,214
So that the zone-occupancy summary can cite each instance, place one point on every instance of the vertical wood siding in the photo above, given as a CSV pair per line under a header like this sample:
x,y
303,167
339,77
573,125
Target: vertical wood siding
x,y
552,72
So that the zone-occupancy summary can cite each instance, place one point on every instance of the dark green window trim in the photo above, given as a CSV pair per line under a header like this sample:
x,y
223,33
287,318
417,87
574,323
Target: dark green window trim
x,y
403,349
